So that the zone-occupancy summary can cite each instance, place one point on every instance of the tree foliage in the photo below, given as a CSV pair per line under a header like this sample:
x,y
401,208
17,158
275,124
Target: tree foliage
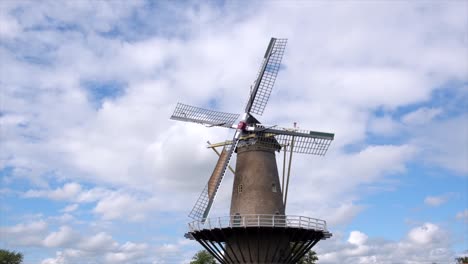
x,y
309,258
10,257
203,257
462,260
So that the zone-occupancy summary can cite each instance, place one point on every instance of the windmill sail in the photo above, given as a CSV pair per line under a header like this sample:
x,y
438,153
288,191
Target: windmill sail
x,y
305,144
266,76
249,130
305,141
202,207
203,116
217,173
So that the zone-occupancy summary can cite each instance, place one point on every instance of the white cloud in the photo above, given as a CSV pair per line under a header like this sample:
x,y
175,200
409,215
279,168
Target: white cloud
x,y
463,216
71,191
128,252
70,208
74,245
68,192
110,204
421,116
59,259
342,214
437,200
102,249
385,125
79,135
349,61
357,238
168,249
180,251
443,144
125,206
98,243
424,234
35,234
92,195
61,238
423,244
65,218
336,201
24,234
9,27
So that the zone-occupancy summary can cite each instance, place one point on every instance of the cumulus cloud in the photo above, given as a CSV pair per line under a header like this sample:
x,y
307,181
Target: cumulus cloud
x,y
336,201
385,125
421,115
343,213
9,26
437,200
442,143
28,234
128,252
115,71
61,238
74,245
357,238
463,216
99,242
102,252
424,234
109,204
122,205
422,244
181,251
68,192
81,138
70,208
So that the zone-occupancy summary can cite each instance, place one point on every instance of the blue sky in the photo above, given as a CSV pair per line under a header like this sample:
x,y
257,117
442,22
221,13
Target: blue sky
x,y
92,169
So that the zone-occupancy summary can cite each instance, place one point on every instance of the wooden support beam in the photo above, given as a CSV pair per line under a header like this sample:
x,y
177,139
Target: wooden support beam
x,y
219,155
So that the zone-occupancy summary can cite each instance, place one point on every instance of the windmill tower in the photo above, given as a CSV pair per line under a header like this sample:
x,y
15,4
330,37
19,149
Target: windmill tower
x,y
257,229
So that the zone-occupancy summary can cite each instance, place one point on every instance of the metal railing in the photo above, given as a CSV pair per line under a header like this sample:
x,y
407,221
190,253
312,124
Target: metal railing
x,y
259,220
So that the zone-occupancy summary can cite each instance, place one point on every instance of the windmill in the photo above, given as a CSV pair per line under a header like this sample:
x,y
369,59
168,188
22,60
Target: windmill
x,y
257,229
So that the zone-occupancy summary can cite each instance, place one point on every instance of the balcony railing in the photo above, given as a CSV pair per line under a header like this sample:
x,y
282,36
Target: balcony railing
x,y
259,220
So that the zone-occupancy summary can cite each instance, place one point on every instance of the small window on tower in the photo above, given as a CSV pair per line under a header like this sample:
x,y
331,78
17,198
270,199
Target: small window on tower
x,y
237,220
273,187
239,188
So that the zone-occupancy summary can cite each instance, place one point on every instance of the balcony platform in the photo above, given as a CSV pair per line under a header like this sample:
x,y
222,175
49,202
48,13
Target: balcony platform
x,y
258,238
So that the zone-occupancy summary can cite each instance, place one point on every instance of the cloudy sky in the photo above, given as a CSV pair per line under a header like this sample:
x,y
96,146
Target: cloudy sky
x,y
93,171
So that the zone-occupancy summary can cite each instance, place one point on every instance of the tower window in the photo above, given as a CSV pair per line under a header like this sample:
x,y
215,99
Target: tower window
x,y
273,187
237,220
240,188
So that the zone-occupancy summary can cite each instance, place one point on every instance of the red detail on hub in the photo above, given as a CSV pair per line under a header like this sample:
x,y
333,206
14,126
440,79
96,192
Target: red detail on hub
x,y
242,125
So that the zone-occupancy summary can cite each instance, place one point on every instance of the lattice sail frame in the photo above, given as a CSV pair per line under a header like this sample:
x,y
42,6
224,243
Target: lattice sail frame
x,y
299,141
304,145
188,113
201,209
266,76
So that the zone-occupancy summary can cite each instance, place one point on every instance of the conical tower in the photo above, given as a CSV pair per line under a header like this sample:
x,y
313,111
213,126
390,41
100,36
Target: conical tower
x,y
256,188
257,192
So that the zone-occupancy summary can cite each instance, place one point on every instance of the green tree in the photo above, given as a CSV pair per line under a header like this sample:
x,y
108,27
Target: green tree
x,y
10,257
203,257
309,258
462,260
